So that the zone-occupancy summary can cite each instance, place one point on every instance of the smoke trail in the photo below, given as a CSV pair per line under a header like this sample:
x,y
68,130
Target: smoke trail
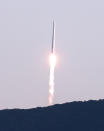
x,y
52,60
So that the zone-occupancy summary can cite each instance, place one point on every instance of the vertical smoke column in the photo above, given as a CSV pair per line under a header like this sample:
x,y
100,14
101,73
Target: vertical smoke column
x,y
52,61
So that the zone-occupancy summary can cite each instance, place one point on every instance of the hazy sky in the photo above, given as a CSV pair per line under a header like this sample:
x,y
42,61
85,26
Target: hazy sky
x,y
25,43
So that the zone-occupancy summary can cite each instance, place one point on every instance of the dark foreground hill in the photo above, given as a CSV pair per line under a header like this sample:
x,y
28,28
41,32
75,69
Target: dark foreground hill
x,y
74,116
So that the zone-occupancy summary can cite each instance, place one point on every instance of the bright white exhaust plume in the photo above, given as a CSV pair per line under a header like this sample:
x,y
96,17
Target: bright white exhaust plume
x,y
52,61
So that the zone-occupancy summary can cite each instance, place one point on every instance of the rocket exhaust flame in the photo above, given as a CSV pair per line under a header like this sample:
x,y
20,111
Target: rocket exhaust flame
x,y
52,61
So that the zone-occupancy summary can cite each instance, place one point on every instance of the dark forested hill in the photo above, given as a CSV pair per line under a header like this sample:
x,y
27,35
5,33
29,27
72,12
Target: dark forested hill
x,y
74,116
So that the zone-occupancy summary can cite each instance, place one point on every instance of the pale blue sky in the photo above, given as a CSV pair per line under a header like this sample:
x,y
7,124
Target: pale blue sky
x,y
25,43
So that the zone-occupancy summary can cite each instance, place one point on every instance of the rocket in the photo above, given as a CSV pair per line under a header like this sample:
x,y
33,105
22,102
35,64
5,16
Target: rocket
x,y
53,39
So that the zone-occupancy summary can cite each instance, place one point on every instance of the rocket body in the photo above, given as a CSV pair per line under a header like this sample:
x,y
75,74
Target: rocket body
x,y
53,39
